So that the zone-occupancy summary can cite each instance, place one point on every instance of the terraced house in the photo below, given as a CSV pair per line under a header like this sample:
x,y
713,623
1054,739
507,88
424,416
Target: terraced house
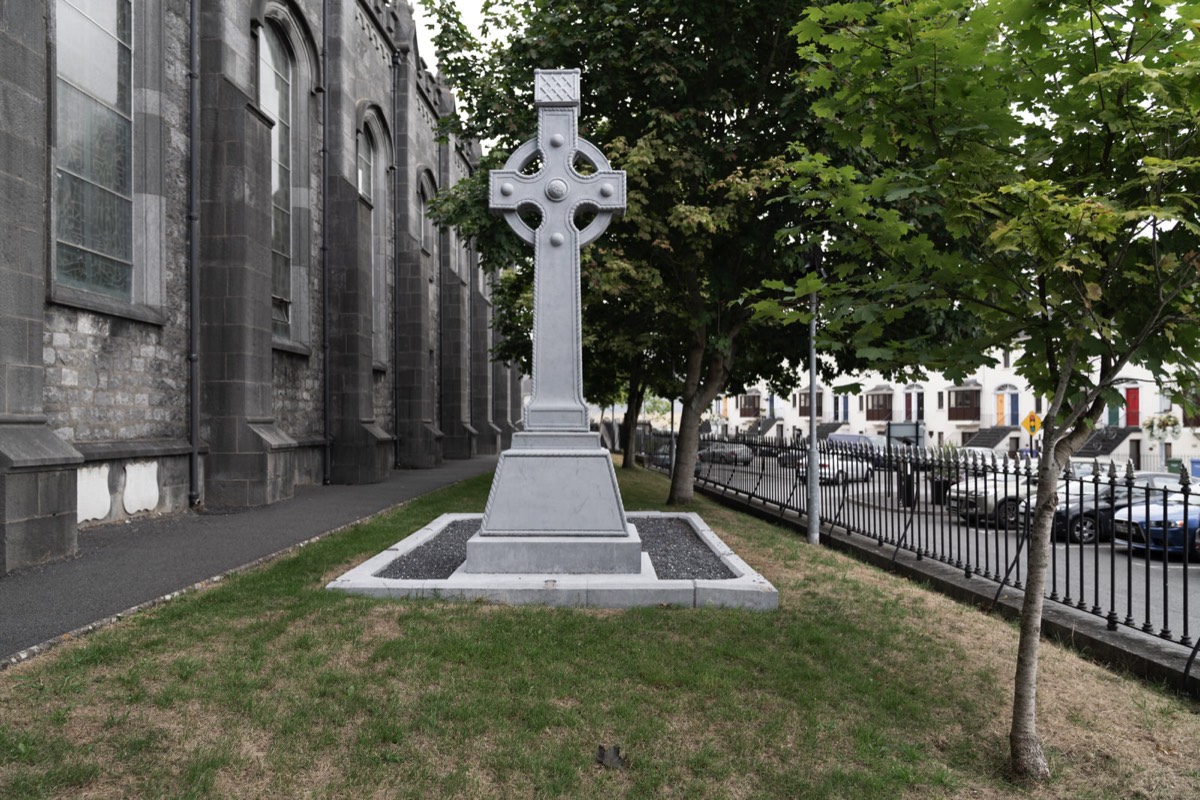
x,y
217,277
1147,426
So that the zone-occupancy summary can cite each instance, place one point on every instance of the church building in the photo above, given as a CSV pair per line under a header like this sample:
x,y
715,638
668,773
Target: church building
x,y
218,279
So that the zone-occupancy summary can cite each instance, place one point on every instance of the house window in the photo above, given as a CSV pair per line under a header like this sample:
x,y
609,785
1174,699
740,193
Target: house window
x,y
802,406
94,192
749,405
879,407
941,401
914,403
276,68
964,405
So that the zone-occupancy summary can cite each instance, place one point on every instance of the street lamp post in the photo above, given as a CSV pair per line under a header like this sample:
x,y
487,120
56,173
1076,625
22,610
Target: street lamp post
x,y
814,478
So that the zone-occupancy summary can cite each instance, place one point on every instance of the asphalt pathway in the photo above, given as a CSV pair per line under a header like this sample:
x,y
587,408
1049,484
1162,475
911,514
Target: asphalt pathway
x,y
127,565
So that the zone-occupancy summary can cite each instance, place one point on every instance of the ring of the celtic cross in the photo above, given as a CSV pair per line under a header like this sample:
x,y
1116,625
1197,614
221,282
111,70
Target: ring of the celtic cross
x,y
557,190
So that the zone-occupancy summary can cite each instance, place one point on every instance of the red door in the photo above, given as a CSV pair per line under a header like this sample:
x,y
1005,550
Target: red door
x,y
1132,417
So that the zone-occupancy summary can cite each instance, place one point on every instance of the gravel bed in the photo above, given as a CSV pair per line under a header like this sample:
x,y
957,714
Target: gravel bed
x,y
436,559
675,550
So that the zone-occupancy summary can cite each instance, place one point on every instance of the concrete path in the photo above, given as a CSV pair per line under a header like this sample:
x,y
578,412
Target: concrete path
x,y
126,565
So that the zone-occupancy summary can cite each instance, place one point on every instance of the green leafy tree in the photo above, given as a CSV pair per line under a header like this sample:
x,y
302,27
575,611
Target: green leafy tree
x,y
1013,173
694,100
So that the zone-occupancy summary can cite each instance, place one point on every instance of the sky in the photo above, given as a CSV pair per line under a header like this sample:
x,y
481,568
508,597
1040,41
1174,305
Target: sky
x,y
472,13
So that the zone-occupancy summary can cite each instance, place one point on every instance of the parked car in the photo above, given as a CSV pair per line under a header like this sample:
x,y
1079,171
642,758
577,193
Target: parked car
x,y
767,449
991,496
836,468
1157,527
873,445
1085,508
726,453
979,459
661,457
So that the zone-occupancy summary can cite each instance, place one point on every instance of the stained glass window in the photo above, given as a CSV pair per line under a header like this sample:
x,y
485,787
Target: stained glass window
x,y
366,164
275,72
94,133
373,186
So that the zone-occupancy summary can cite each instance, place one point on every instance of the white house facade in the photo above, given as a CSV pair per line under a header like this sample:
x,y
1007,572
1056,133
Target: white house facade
x,y
986,410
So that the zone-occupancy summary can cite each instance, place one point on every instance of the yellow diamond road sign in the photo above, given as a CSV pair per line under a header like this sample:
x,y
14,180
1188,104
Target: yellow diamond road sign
x,y
1032,424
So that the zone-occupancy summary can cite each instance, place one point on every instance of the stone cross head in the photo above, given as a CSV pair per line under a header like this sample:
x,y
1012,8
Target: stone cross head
x,y
559,194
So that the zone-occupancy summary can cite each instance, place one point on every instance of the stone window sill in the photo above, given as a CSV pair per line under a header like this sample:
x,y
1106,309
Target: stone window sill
x,y
288,346
77,298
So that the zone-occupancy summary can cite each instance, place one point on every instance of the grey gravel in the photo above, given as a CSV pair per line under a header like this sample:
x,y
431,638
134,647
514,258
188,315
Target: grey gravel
x,y
676,552
436,559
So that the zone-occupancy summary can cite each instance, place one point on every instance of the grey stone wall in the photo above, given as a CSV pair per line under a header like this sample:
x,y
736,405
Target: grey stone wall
x,y
116,373
488,437
102,386
37,468
418,287
111,379
23,181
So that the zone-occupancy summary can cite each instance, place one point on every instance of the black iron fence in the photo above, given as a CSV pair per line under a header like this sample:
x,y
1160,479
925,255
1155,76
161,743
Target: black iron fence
x,y
1124,541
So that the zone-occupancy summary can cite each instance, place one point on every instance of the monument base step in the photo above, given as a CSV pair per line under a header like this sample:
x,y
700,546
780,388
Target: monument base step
x,y
747,589
569,554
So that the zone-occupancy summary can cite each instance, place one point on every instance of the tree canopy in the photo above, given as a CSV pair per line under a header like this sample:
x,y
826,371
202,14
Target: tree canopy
x,y
1026,173
696,102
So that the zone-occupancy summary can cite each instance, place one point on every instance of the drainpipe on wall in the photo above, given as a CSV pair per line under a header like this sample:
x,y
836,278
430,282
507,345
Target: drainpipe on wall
x,y
327,460
194,255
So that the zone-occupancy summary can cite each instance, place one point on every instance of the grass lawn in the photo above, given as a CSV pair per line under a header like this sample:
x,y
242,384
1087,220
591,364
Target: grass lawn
x,y
862,685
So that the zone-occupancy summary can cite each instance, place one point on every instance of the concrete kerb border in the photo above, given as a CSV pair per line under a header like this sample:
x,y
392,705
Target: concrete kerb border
x,y
748,589
1123,649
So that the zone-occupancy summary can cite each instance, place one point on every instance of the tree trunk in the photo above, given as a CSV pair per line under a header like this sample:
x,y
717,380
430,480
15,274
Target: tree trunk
x,y
697,395
683,478
1025,750
633,409
1027,760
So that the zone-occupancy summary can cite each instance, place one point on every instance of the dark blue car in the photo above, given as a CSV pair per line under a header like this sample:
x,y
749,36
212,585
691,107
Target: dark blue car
x,y
1156,527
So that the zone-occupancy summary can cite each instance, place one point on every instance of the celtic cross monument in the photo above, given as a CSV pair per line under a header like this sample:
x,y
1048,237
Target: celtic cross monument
x,y
554,506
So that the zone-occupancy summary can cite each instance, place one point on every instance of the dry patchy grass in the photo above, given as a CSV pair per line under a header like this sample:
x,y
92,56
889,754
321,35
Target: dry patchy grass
x,y
345,697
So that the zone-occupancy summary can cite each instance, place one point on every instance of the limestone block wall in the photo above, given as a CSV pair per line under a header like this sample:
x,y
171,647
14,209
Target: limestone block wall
x,y
117,371
110,379
94,391
488,432
417,315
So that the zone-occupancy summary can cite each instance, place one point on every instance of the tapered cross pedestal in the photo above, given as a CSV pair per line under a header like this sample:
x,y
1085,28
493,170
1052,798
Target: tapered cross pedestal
x,y
554,506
